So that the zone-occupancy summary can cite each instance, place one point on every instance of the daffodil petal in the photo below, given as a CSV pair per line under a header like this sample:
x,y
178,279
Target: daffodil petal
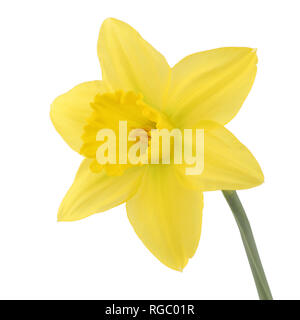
x,y
210,85
166,215
128,62
70,111
97,192
228,164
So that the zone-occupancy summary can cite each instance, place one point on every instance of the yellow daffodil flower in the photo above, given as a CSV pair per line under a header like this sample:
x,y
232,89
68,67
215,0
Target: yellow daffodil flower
x,y
204,90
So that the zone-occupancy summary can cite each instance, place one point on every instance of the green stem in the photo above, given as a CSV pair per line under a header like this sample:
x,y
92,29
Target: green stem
x,y
249,244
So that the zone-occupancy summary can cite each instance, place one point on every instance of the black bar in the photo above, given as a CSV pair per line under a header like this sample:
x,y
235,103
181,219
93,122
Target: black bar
x,y
151,309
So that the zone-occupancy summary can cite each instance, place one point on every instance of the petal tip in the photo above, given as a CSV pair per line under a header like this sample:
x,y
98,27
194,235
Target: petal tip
x,y
111,21
60,217
181,267
261,178
254,52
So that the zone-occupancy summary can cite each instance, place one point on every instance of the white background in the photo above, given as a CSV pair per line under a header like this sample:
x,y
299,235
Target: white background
x,y
46,48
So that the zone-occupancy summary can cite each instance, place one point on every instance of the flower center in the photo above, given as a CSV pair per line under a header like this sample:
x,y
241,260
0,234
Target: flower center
x,y
121,121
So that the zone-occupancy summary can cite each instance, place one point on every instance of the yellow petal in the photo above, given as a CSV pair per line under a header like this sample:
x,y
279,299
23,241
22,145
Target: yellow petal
x,y
228,164
211,85
96,192
128,62
167,216
70,111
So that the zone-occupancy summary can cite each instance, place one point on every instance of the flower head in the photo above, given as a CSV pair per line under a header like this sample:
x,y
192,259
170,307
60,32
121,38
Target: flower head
x,y
202,91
